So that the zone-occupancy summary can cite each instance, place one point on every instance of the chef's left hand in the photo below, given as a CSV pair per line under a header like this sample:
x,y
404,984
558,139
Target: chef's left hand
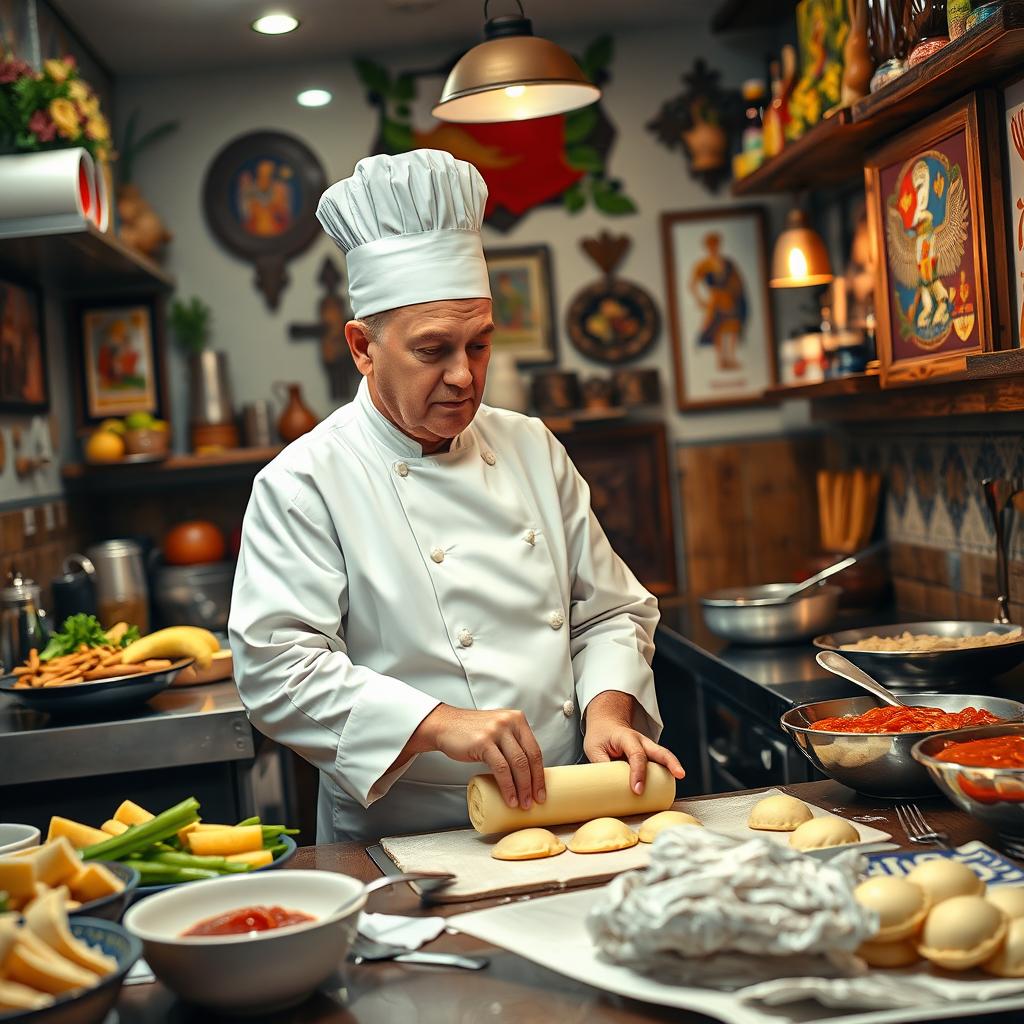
x,y
610,736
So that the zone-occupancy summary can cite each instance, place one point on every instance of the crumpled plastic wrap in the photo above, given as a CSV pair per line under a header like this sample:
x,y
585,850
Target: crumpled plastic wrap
x,y
726,912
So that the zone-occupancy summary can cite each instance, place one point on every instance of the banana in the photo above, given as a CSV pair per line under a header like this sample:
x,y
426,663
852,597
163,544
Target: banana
x,y
174,642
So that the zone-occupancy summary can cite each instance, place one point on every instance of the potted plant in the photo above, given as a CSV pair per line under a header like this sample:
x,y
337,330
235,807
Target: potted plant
x,y
211,414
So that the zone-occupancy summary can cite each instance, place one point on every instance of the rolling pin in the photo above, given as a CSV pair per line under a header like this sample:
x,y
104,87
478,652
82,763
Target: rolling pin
x,y
575,792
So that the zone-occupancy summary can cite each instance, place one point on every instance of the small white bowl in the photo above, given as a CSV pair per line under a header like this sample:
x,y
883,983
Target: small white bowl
x,y
17,837
258,972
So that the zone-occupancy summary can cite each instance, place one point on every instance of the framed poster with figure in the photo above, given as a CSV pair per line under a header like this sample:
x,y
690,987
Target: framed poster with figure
x,y
720,313
523,304
23,381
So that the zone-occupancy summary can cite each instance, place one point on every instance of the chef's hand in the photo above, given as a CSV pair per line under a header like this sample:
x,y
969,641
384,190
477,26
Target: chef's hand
x,y
610,736
503,740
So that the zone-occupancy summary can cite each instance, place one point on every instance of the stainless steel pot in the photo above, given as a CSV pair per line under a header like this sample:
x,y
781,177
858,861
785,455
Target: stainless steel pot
x,y
760,615
194,595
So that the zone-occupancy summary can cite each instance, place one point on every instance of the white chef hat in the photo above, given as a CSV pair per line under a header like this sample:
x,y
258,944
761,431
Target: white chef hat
x,y
409,226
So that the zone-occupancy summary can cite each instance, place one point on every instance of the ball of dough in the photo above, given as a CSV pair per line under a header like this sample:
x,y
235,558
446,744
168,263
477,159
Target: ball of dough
x,y
1009,899
821,833
962,932
943,879
657,823
528,844
1009,960
901,953
779,813
602,835
901,906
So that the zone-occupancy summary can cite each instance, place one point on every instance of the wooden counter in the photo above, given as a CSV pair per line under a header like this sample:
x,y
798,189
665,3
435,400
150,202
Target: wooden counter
x,y
511,990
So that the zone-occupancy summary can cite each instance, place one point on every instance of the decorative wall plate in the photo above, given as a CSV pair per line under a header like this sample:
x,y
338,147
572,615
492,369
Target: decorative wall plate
x,y
612,320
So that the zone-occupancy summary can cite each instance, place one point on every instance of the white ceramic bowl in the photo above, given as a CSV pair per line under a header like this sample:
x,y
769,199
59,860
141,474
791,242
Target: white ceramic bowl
x,y
17,837
259,972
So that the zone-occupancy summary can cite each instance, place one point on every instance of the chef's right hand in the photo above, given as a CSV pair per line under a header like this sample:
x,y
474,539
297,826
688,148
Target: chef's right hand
x,y
503,740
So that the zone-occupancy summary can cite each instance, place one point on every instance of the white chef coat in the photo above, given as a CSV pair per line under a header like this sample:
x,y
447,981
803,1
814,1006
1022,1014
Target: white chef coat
x,y
375,582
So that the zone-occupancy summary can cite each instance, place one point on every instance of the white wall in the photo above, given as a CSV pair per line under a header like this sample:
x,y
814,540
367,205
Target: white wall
x,y
214,108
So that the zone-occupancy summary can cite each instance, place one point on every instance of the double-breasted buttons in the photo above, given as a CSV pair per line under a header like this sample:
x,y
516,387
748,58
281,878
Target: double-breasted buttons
x,y
437,555
556,619
401,469
530,537
465,638
488,456
568,709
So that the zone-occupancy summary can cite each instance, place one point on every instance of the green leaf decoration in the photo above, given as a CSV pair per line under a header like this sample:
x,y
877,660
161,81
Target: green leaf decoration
x,y
614,203
373,76
579,124
598,55
584,158
397,137
573,198
405,89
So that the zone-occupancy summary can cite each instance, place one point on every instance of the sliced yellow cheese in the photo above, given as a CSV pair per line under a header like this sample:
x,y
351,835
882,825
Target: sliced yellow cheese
x,y
113,827
47,919
18,878
20,997
254,858
223,842
8,936
44,969
94,882
56,862
80,835
132,814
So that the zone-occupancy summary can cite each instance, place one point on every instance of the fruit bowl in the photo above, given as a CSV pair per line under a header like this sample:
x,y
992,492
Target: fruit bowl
x,y
146,441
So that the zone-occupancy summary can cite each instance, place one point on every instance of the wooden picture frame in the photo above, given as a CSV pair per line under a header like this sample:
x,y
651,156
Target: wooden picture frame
x,y
120,358
739,315
24,381
946,168
523,299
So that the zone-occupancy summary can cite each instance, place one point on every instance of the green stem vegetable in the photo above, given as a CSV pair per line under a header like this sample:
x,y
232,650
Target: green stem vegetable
x,y
139,837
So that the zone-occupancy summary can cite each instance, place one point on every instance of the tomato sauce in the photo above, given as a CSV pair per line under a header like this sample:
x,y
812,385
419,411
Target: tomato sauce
x,y
248,919
908,719
990,752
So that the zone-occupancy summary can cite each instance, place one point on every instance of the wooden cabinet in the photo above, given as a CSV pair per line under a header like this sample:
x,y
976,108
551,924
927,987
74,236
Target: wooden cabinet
x,y
626,466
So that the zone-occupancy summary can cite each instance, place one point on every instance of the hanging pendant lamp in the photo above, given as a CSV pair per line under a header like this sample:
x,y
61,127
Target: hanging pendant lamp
x,y
513,76
800,258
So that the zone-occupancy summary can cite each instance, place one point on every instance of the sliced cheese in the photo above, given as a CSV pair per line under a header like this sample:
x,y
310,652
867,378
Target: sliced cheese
x,y
18,878
130,813
44,969
254,858
80,835
225,841
113,827
47,919
56,862
94,882
20,997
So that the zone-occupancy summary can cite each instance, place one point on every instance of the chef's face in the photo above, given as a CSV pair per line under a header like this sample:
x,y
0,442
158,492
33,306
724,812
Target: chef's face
x,y
426,366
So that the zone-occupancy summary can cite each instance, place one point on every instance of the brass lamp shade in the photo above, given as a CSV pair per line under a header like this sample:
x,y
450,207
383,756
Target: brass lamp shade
x,y
800,258
513,76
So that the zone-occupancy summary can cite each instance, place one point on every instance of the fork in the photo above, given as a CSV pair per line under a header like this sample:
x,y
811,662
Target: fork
x,y
917,829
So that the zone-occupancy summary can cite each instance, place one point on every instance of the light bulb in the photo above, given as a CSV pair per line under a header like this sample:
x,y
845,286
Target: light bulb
x,y
797,263
275,24
514,91
314,98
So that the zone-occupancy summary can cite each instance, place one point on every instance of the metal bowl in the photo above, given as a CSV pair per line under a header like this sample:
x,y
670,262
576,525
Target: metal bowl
x,y
880,764
760,615
994,796
929,670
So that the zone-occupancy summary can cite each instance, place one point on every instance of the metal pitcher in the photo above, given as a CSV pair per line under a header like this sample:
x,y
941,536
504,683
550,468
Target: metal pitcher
x,y
23,624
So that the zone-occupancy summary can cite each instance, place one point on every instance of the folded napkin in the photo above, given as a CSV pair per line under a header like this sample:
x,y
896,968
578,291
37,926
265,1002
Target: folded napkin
x,y
397,930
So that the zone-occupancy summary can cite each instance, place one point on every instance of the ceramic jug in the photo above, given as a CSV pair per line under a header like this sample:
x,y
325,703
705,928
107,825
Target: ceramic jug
x,y
296,419
857,63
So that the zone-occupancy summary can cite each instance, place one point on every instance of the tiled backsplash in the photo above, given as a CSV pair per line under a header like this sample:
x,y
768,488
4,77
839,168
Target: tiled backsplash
x,y
35,541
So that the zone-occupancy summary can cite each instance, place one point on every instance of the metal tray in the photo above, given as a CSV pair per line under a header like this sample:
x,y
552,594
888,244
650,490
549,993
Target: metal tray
x,y
930,670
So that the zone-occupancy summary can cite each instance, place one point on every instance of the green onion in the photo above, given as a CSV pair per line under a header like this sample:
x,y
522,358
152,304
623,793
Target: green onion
x,y
188,860
254,820
152,873
139,837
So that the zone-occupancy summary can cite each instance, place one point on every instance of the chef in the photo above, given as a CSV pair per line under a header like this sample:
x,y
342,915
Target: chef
x,y
423,592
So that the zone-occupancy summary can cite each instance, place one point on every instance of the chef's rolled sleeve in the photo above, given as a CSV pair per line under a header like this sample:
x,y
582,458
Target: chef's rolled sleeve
x,y
292,668
612,617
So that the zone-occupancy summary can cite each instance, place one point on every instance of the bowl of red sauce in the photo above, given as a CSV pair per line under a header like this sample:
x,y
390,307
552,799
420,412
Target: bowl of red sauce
x,y
982,771
249,943
868,747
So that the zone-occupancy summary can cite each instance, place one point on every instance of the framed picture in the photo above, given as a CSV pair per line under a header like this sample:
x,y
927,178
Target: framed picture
x,y
120,359
937,224
524,304
1014,125
719,307
260,198
23,380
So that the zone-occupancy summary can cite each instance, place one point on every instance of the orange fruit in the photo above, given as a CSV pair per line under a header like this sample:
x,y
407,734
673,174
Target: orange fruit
x,y
104,446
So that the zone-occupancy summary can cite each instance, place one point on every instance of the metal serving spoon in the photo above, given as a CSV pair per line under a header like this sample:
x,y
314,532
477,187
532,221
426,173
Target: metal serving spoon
x,y
827,573
834,662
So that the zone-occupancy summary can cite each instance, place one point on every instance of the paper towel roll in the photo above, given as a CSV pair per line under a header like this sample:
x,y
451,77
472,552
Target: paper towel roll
x,y
575,792
46,192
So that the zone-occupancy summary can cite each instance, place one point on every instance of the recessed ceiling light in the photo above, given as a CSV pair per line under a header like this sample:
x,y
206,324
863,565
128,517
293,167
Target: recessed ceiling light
x,y
314,98
275,24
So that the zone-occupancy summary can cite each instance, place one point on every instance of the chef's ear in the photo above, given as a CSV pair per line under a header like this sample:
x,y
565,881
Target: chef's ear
x,y
358,336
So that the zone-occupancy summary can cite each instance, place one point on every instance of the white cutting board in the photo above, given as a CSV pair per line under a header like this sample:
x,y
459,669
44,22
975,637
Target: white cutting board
x,y
467,854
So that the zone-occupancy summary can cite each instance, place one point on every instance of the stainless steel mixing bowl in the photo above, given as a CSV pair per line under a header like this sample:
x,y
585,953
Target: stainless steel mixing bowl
x,y
880,764
758,615
994,796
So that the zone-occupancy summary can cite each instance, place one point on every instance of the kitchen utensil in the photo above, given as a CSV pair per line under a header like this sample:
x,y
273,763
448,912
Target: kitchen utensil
x,y
763,615
297,418
96,696
999,496
194,595
879,765
929,670
991,795
121,591
366,950
257,425
833,661
917,829
209,388
23,625
74,590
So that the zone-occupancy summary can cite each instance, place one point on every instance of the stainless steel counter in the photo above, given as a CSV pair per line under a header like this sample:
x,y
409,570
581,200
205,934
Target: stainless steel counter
x,y
180,727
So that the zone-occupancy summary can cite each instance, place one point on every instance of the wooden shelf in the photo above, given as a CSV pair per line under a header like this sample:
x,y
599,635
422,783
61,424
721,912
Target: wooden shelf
x,y
835,387
832,152
235,464
83,261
